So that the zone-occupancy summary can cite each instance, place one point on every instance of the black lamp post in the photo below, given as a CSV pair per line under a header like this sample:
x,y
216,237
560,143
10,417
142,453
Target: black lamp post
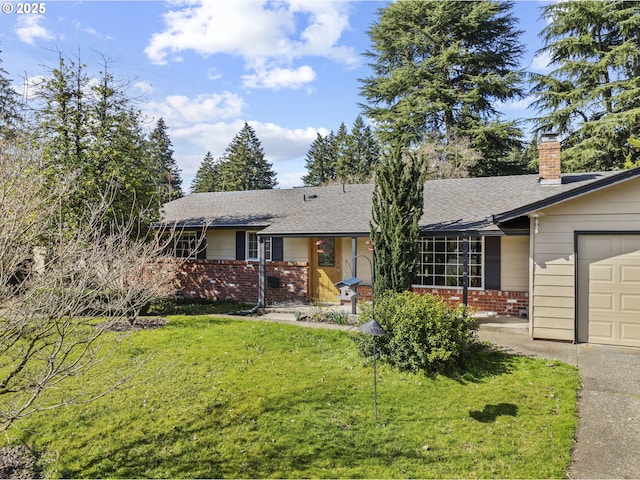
x,y
374,329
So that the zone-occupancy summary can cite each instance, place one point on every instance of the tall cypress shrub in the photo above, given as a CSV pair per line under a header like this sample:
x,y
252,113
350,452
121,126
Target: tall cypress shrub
x,y
398,204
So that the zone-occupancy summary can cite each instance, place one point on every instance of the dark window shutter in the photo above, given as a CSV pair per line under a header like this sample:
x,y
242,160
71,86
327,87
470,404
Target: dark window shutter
x,y
277,251
241,239
201,253
492,263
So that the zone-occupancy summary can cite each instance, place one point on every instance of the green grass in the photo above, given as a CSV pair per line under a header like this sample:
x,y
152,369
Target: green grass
x,y
225,398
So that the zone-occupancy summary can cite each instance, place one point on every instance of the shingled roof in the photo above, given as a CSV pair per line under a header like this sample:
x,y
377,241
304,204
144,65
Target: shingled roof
x,y
479,205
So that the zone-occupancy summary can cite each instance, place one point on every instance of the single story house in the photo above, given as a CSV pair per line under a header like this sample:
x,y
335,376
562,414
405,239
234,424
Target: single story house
x,y
562,249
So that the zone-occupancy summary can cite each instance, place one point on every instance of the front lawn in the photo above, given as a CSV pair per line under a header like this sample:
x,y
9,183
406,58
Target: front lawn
x,y
218,397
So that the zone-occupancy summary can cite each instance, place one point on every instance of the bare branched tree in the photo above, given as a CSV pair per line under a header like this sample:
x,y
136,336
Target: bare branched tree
x,y
61,290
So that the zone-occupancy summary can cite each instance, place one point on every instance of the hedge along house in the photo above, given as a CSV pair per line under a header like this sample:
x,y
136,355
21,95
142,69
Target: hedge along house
x,y
563,249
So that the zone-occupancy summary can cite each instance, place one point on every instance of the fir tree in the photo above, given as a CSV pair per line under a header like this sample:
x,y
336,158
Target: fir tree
x,y
320,162
442,68
244,166
10,116
364,150
398,204
162,155
343,154
208,177
92,131
592,95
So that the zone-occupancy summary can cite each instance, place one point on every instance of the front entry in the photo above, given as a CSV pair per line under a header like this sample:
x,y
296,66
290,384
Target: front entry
x,y
326,257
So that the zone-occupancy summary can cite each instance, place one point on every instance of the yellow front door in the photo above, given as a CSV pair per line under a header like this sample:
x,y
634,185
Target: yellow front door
x,y
325,254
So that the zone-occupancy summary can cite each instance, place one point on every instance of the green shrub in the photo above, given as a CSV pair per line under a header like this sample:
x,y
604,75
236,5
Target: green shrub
x,y
423,333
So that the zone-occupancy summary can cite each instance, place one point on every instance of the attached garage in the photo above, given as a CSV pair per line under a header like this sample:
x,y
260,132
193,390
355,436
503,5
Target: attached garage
x,y
608,302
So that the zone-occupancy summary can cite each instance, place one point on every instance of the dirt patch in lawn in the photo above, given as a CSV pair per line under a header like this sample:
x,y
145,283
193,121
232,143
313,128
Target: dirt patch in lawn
x,y
141,323
18,462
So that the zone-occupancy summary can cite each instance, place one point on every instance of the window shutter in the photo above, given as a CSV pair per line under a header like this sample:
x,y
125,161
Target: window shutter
x,y
277,250
492,263
241,245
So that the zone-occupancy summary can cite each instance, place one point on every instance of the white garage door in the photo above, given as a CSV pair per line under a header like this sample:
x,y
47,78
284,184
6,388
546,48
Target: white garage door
x,y
609,289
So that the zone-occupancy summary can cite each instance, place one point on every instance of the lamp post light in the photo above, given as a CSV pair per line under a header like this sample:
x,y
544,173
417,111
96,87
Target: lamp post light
x,y
374,329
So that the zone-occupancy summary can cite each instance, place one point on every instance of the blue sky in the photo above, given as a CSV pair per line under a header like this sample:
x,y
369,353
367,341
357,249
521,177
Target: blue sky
x,y
288,68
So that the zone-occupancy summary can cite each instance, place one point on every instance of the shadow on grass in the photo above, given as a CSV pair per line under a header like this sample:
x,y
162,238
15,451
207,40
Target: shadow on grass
x,y
485,361
491,412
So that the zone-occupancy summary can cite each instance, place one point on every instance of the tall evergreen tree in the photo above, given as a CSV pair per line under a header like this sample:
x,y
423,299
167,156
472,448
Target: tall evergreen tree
x,y
64,122
10,116
162,155
320,162
364,150
93,131
347,157
208,177
398,204
244,166
118,152
343,155
441,67
592,95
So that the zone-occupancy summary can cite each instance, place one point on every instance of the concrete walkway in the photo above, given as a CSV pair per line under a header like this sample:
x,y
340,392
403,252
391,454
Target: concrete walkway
x,y
608,437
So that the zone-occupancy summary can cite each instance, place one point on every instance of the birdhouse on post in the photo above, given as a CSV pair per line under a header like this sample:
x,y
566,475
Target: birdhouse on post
x,y
348,290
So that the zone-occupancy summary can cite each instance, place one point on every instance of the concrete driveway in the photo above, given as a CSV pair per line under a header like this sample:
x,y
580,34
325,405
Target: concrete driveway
x,y
608,437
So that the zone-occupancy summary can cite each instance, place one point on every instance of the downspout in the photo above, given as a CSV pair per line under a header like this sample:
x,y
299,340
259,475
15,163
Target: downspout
x,y
262,268
354,271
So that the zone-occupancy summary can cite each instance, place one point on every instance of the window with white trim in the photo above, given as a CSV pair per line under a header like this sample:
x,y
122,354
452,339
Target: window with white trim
x,y
252,246
441,262
185,245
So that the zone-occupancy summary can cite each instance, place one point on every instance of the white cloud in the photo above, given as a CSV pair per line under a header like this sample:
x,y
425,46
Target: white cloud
x,y
29,29
277,78
273,34
213,74
181,110
143,87
541,63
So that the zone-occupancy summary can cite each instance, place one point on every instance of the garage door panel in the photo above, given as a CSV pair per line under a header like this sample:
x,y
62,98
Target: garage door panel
x,y
601,301
600,330
602,273
609,289
630,303
630,274
630,333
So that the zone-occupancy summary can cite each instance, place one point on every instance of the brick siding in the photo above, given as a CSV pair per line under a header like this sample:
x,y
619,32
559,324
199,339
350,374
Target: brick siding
x,y
238,280
502,303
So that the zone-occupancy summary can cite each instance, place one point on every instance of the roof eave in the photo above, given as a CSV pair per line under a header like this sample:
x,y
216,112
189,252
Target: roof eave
x,y
567,195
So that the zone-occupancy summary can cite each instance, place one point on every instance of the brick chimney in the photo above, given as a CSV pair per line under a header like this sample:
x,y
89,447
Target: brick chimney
x,y
549,160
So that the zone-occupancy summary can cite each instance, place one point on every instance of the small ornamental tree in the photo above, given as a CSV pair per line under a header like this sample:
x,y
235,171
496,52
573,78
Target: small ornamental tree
x,y
398,203
61,290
